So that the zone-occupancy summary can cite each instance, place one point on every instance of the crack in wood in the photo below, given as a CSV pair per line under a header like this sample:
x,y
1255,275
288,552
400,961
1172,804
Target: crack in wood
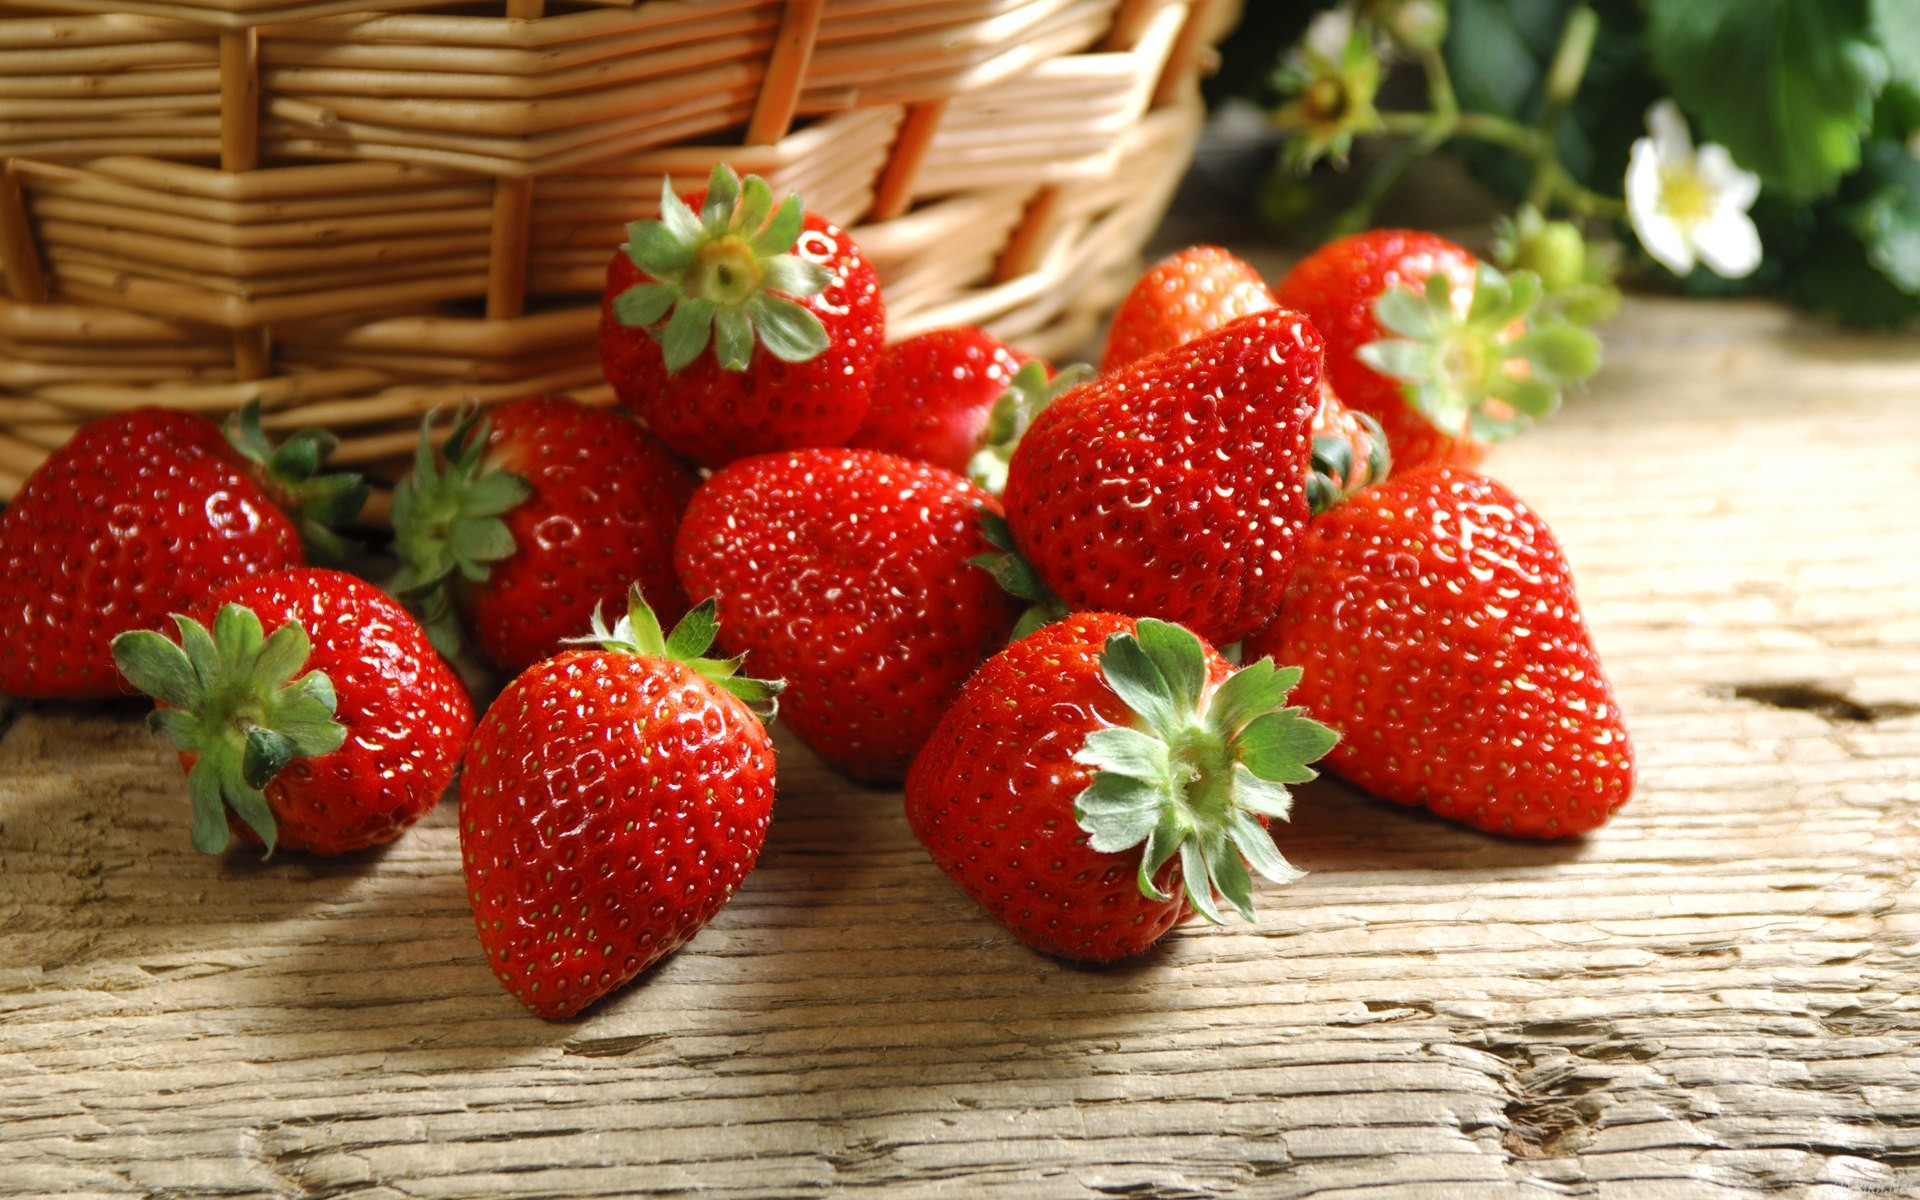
x,y
1829,703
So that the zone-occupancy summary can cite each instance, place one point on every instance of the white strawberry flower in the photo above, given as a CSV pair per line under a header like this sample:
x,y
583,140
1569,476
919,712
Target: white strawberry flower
x,y
1690,205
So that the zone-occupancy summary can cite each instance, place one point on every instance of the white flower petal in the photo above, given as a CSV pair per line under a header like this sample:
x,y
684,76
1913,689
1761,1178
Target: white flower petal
x,y
1327,34
1669,130
1666,239
1659,233
1732,187
1642,185
1728,243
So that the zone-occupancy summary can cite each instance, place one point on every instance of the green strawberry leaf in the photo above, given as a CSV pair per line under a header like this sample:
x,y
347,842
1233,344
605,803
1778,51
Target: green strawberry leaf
x,y
238,701
1814,62
726,277
1197,767
790,331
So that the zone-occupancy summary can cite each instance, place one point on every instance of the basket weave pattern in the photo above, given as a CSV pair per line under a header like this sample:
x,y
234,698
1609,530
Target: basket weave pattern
x,y
358,210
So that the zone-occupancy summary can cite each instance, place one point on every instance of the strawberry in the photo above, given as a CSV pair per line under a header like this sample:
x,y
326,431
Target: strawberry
x,y
309,711
1180,298
612,799
1102,780
1437,623
846,573
541,510
1444,351
1174,487
933,394
1349,451
137,516
790,305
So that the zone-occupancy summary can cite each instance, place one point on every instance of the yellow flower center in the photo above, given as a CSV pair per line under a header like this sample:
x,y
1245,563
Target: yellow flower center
x,y
1684,196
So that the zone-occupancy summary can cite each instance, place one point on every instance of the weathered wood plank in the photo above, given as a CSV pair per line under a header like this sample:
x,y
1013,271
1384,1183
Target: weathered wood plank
x,y
1716,996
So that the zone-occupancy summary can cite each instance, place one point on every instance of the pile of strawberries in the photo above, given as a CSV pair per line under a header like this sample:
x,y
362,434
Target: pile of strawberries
x,y
1095,624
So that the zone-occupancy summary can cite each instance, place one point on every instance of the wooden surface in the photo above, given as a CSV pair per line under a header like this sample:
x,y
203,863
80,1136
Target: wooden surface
x,y
1715,996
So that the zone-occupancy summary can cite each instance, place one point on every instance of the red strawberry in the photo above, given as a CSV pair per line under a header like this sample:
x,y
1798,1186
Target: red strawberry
x,y
309,711
137,516
932,395
542,510
846,573
1444,351
611,801
1180,298
1175,487
791,307
1437,623
1103,779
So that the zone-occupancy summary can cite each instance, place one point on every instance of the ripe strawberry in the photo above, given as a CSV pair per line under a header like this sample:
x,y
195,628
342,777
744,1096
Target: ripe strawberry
x,y
137,516
612,799
846,573
1179,298
1175,487
540,511
1437,623
312,715
933,394
1444,351
732,269
1103,779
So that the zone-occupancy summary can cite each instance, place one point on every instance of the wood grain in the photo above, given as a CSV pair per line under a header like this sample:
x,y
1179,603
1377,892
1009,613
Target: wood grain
x,y
1715,996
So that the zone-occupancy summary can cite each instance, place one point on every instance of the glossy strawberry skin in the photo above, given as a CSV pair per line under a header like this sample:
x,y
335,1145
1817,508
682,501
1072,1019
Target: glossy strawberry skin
x,y
406,713
605,503
1436,621
991,798
712,416
137,516
610,805
1182,297
846,573
1336,287
1174,487
932,395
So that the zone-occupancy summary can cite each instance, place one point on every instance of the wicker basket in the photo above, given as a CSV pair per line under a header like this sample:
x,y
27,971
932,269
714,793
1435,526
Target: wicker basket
x,y
358,210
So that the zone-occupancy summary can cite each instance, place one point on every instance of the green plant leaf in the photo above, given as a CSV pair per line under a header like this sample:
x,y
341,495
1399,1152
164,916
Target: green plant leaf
x,y
1896,30
1118,811
1278,745
1807,73
694,633
1137,680
644,304
732,339
686,332
778,235
158,667
1128,752
790,331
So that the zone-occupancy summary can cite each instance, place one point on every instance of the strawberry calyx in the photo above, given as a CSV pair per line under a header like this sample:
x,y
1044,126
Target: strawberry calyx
x,y
639,632
290,473
447,522
1485,373
1334,472
1029,393
1016,577
1198,768
237,700
725,276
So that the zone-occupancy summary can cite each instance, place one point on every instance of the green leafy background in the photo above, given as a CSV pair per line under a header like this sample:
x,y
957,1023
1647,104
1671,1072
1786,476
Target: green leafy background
x,y
1827,114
